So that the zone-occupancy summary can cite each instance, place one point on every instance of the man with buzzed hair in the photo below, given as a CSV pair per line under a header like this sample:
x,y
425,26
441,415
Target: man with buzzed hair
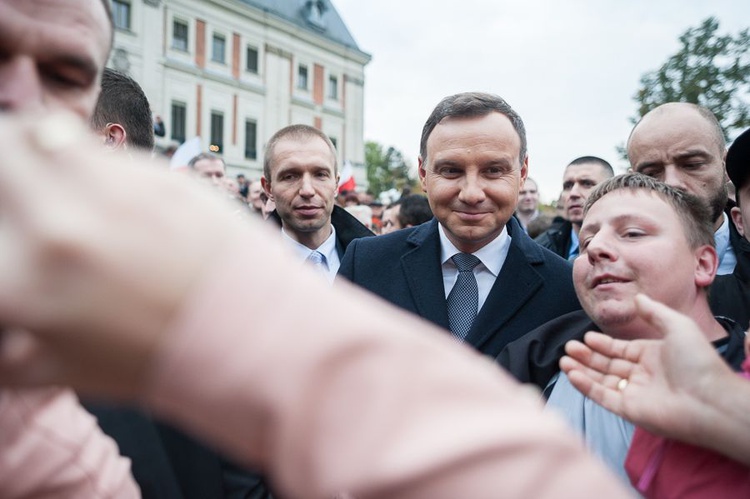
x,y
300,175
579,179
683,145
122,114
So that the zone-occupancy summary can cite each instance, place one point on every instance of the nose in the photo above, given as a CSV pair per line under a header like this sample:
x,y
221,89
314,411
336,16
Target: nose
x,y
673,176
20,85
472,190
575,191
599,247
306,186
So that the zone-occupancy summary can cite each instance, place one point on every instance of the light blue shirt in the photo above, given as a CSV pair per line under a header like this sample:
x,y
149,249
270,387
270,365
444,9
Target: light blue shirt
x,y
492,256
574,245
727,259
327,249
606,434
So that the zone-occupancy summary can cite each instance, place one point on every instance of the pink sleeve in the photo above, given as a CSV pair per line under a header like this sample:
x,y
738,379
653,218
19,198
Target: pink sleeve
x,y
50,447
331,390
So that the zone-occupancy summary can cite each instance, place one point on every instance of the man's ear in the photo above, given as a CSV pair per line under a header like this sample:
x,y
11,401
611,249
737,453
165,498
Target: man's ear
x,y
524,171
737,219
266,187
115,137
422,173
707,263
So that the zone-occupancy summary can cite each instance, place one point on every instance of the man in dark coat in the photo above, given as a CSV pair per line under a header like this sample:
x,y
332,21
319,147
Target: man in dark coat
x,y
472,164
730,293
300,175
630,223
579,179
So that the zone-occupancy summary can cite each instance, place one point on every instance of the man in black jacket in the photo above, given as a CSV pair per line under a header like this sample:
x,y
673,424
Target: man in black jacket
x,y
579,179
300,175
631,224
730,293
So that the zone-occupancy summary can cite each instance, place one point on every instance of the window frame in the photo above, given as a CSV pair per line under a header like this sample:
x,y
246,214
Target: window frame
x,y
300,69
178,125
251,153
174,46
333,87
250,48
214,38
217,146
116,13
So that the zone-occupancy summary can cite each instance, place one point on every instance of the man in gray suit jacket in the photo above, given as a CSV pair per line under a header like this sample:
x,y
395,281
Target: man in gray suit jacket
x,y
472,164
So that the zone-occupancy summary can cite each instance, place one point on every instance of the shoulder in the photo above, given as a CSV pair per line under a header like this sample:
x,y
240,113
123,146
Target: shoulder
x,y
534,357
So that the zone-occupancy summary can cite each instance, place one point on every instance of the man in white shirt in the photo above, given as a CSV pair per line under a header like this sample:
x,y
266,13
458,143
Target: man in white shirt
x,y
300,175
472,269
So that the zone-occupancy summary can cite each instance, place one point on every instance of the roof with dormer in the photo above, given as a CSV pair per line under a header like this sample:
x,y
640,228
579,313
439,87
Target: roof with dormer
x,y
317,16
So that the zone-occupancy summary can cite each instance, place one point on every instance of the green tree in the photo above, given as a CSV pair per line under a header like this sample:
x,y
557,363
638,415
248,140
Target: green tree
x,y
710,69
386,168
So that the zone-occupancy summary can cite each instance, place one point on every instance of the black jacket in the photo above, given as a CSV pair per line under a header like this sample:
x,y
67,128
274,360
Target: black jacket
x,y
730,294
557,238
404,268
535,357
348,228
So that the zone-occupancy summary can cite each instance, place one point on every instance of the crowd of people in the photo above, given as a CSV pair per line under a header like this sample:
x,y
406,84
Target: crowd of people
x,y
253,338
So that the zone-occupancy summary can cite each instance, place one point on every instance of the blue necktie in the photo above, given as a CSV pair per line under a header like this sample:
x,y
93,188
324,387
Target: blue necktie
x,y
463,300
318,261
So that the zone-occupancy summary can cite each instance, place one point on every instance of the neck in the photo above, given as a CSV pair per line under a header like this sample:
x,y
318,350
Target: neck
x,y
698,310
576,228
313,239
525,216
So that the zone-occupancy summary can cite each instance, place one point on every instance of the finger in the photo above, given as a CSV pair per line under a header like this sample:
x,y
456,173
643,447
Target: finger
x,y
602,392
600,362
596,376
662,318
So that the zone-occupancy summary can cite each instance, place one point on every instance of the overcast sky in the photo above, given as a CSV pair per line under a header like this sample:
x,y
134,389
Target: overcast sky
x,y
569,68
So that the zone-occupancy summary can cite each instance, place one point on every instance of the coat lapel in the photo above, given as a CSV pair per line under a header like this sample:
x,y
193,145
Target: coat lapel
x,y
424,275
513,288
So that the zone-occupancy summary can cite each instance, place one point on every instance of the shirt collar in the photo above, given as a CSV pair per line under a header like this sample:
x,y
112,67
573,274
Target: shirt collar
x,y
721,237
328,246
492,255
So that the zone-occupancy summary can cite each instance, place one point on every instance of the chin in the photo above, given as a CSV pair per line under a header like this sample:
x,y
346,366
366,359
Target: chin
x,y
612,316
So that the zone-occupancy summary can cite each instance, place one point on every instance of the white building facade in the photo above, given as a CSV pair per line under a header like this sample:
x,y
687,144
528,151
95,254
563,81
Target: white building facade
x,y
233,72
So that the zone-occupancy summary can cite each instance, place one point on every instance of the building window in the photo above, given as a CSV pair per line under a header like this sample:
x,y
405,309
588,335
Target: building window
x,y
179,35
121,14
217,132
218,48
178,121
333,87
251,64
251,137
302,77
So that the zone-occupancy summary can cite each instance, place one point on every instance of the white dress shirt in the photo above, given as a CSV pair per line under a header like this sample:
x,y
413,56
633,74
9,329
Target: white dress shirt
x,y
491,255
327,249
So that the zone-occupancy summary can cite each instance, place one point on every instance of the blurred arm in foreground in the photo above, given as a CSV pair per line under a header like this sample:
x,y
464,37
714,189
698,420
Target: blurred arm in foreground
x,y
384,409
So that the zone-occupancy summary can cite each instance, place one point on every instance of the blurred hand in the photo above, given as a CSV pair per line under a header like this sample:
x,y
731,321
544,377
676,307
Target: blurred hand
x,y
97,254
670,382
